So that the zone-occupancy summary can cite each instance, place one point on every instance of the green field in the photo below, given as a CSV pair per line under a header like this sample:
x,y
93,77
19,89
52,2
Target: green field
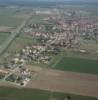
x,y
70,60
78,65
3,37
33,94
12,16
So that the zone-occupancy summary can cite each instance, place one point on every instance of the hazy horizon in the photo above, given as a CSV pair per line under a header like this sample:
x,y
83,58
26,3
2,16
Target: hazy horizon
x,y
56,0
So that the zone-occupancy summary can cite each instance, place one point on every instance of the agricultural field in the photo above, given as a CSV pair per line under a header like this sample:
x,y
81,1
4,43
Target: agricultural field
x,y
33,94
70,60
12,16
89,45
3,37
78,65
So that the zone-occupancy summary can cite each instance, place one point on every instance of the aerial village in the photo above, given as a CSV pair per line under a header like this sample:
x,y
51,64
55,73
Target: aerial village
x,y
52,36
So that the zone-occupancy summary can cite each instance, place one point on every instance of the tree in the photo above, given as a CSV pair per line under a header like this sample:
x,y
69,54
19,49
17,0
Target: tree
x,y
68,98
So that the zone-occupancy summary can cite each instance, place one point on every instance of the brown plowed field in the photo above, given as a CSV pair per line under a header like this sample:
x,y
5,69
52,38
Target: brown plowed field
x,y
67,82
5,29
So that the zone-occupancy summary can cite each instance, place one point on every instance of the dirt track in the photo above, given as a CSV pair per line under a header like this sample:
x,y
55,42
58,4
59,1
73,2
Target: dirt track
x,y
67,82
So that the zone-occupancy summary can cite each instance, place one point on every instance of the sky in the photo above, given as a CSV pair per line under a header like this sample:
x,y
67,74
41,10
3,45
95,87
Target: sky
x,y
56,0
37,0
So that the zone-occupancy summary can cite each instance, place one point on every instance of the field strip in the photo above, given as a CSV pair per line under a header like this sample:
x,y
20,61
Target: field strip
x,y
69,86
67,82
6,29
62,74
